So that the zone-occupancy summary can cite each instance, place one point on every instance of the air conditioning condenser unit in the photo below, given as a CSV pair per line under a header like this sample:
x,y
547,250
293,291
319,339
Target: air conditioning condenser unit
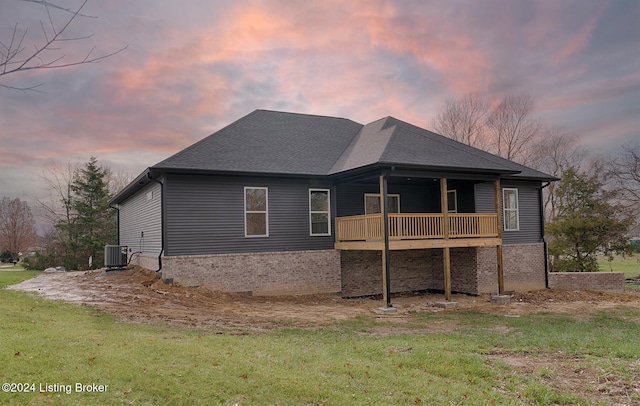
x,y
115,257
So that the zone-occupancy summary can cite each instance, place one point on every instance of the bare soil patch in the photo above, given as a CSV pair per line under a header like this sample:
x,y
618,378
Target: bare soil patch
x,y
575,374
139,295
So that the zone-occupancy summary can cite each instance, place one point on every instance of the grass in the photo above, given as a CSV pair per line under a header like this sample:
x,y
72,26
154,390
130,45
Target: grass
x,y
629,265
10,275
47,343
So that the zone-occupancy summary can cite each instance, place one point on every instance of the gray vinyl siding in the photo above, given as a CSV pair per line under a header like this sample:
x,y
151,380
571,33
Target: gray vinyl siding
x,y
528,209
140,221
484,197
205,215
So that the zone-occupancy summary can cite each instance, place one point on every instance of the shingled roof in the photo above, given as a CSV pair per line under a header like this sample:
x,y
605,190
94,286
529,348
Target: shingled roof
x,y
272,142
278,143
393,142
269,142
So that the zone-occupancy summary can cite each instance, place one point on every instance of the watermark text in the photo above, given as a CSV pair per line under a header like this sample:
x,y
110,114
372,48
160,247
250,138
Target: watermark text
x,y
45,387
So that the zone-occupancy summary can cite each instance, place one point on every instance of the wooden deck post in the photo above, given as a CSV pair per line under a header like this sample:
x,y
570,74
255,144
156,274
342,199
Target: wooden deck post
x,y
386,276
496,190
446,254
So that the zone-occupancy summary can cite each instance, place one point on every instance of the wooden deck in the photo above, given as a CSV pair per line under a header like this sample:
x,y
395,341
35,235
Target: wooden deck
x,y
417,231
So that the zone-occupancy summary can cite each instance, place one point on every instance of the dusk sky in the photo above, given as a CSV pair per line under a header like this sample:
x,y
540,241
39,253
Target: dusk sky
x,y
192,67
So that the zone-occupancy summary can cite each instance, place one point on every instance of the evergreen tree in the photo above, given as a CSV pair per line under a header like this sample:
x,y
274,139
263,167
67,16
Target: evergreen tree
x,y
589,222
92,224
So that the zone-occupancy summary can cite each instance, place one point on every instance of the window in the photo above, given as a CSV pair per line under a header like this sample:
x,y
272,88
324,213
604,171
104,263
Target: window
x,y
319,212
372,203
452,201
510,209
256,212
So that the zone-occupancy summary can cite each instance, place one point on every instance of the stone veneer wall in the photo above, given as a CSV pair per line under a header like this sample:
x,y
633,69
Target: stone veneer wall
x,y
523,268
146,261
259,273
612,282
411,270
473,270
356,273
362,271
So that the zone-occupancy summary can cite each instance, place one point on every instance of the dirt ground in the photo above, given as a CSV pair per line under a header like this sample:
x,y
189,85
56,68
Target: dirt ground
x,y
138,295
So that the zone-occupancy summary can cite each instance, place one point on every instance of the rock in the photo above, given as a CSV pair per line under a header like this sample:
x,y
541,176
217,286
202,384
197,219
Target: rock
x,y
56,269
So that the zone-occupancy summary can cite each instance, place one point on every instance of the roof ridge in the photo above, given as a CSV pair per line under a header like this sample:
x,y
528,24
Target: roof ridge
x,y
357,140
450,142
304,114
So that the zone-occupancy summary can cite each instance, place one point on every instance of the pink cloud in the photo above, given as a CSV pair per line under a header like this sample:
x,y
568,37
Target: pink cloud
x,y
335,44
191,70
580,40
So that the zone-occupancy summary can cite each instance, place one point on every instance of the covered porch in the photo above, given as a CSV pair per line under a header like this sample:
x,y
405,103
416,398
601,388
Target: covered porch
x,y
444,229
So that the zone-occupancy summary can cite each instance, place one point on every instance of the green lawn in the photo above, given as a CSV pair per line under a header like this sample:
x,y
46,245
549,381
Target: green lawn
x,y
10,275
629,265
48,344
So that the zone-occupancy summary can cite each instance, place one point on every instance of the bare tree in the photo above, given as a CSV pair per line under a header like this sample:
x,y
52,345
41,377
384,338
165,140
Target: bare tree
x,y
512,127
17,226
17,55
509,130
464,120
58,177
625,173
116,181
555,151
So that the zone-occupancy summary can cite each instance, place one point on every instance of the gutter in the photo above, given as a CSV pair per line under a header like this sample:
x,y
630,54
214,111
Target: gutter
x,y
162,226
116,208
544,240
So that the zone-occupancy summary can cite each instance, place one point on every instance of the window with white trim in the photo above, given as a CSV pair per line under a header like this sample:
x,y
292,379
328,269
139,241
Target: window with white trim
x,y
452,201
372,203
319,212
510,209
256,209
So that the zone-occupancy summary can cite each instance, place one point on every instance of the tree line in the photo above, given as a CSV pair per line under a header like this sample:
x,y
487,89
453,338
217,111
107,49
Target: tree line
x,y
595,206
77,209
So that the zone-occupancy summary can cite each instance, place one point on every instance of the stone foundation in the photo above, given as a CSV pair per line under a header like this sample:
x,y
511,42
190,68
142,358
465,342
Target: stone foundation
x,y
259,273
146,261
362,271
356,273
474,270
523,268
612,282
410,270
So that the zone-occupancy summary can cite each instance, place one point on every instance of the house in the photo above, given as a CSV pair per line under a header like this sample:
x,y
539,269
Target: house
x,y
283,203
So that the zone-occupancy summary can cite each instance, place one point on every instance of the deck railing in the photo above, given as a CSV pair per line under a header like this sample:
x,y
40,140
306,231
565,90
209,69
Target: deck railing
x,y
416,226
